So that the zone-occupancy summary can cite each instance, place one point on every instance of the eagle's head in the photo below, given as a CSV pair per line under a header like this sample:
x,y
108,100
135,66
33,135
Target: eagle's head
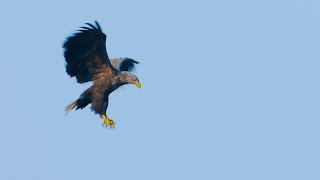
x,y
126,77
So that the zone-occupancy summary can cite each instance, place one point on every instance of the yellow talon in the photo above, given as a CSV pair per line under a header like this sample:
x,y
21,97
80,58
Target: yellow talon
x,y
107,122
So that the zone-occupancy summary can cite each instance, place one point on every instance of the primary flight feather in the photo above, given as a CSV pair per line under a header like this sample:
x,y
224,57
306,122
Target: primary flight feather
x,y
87,60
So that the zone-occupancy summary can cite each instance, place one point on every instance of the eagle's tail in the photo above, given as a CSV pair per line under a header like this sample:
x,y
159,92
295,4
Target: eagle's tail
x,y
70,107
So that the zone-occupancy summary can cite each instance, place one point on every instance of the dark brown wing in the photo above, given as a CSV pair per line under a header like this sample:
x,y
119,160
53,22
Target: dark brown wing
x,y
85,53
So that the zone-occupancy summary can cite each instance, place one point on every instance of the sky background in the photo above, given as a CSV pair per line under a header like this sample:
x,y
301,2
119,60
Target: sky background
x,y
230,90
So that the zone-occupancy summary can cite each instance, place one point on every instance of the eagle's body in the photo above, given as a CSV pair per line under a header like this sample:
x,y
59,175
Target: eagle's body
x,y
87,60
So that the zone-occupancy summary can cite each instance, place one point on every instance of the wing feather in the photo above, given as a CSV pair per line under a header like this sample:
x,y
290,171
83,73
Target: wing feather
x,y
123,64
85,53
85,28
92,26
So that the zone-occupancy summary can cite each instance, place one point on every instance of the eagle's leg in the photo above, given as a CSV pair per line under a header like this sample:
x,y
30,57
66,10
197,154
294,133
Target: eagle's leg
x,y
107,122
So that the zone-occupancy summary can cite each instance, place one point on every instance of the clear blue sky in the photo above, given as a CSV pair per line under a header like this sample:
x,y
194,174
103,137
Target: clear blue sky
x,y
230,90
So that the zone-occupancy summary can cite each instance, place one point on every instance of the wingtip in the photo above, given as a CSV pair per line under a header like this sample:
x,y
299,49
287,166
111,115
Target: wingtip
x,y
131,60
92,26
136,62
97,24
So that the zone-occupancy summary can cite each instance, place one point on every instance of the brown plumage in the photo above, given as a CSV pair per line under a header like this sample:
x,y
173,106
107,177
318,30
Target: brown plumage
x,y
87,60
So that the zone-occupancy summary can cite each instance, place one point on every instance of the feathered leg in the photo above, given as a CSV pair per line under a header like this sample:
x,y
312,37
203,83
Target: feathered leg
x,y
106,121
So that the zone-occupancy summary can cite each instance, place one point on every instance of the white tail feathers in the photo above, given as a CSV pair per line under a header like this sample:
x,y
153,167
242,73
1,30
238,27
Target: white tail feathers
x,y
70,107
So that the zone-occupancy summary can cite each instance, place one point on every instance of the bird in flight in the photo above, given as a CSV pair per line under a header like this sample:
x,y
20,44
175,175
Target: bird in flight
x,y
87,60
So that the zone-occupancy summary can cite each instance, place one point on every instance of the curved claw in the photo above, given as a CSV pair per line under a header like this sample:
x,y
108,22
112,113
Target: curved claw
x,y
107,122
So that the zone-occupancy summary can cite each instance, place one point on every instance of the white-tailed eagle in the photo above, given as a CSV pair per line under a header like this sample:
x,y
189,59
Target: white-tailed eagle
x,y
87,60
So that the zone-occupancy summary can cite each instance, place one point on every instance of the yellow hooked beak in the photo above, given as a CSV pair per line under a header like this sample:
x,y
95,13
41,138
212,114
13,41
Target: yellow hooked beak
x,y
138,84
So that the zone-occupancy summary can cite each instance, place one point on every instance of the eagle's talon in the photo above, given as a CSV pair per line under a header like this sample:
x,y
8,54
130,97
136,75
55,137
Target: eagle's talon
x,y
107,122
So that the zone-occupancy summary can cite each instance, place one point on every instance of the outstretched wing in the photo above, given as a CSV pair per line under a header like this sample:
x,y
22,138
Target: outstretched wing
x,y
85,53
123,64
